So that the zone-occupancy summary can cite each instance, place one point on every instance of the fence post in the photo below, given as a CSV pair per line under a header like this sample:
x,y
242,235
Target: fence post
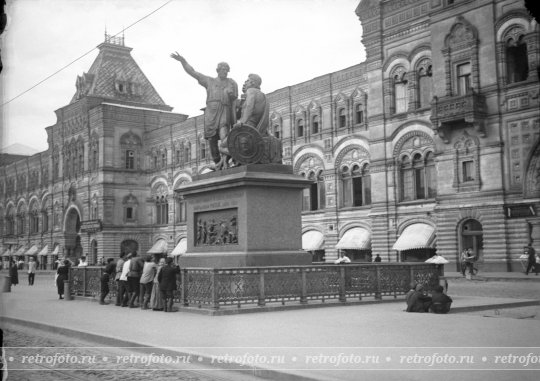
x,y
378,280
342,296
303,295
184,293
215,300
84,281
262,297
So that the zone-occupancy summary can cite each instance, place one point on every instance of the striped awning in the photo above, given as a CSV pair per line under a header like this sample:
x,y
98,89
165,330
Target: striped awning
x,y
20,251
56,250
33,250
44,251
415,236
7,253
356,239
159,247
312,240
181,248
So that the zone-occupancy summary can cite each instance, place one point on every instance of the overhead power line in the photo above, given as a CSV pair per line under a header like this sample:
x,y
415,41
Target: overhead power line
x,y
84,55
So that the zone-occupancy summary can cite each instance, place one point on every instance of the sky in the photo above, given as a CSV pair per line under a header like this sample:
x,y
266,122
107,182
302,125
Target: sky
x,y
284,41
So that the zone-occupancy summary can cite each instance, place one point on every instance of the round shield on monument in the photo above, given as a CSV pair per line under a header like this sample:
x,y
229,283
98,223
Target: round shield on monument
x,y
245,145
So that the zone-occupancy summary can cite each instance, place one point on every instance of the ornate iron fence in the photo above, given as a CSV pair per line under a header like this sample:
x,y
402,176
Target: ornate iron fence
x,y
212,288
260,285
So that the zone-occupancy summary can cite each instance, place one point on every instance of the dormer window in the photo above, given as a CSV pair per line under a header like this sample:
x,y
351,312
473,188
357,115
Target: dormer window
x,y
121,87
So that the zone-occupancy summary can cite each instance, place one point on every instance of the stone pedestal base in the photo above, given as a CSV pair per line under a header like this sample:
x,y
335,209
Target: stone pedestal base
x,y
245,216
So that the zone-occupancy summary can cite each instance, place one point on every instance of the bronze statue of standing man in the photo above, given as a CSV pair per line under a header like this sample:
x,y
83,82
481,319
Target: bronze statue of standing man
x,y
220,111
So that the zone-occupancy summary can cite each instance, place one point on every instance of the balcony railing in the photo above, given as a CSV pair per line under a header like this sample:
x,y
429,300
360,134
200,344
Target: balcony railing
x,y
214,288
450,110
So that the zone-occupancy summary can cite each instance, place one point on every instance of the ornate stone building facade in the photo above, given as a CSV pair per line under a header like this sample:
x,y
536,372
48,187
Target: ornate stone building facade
x,y
429,145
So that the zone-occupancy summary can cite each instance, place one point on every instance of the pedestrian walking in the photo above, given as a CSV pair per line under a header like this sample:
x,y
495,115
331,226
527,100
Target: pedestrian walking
x,y
134,279
32,265
62,275
531,260
13,272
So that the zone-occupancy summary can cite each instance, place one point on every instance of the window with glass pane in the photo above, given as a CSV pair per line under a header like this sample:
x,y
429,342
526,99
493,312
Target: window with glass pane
x,y
315,124
426,89
342,118
130,159
44,222
129,213
468,168
181,209
401,101
517,62
359,113
306,199
300,128
431,180
464,78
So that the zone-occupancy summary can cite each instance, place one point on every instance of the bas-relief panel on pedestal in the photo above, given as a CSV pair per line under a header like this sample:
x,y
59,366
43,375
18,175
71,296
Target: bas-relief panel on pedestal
x,y
216,228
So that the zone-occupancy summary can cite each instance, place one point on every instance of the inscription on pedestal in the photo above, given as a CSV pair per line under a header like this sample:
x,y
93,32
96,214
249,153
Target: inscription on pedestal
x,y
216,227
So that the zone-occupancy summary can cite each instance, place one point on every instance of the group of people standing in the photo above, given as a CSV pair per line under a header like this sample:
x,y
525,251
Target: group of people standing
x,y
141,282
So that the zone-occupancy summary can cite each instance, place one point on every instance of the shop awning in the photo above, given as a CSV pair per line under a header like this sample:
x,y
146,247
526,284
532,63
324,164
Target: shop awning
x,y
7,253
56,250
356,239
20,251
44,251
159,247
33,250
181,248
312,240
415,236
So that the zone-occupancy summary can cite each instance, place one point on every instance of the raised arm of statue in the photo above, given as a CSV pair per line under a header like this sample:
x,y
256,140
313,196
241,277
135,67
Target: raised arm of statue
x,y
188,68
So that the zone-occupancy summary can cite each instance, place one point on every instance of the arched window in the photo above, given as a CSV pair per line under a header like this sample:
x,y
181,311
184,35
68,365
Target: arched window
x,y
342,117
517,62
425,86
314,196
10,222
187,153
417,177
355,186
203,149
463,78
180,209
34,219
315,124
277,131
162,210
300,128
130,159
400,93
164,158
44,221
359,113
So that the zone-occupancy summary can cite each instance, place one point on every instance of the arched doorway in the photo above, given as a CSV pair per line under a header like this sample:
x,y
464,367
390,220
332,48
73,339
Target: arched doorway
x,y
471,233
129,246
72,238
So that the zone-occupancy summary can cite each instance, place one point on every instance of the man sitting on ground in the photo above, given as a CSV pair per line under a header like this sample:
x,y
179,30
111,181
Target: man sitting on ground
x,y
419,301
440,301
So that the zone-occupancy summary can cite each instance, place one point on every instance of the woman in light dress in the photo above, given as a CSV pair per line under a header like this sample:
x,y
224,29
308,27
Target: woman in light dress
x,y
156,301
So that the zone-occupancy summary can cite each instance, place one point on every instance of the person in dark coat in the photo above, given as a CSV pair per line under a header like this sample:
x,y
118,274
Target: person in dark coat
x,y
531,260
108,272
167,283
63,275
418,301
440,302
13,272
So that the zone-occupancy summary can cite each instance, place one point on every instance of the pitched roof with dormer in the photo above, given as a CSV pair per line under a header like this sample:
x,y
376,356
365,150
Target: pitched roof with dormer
x,y
115,76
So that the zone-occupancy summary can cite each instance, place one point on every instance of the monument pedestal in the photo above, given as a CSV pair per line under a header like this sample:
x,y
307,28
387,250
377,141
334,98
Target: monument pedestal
x,y
245,216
